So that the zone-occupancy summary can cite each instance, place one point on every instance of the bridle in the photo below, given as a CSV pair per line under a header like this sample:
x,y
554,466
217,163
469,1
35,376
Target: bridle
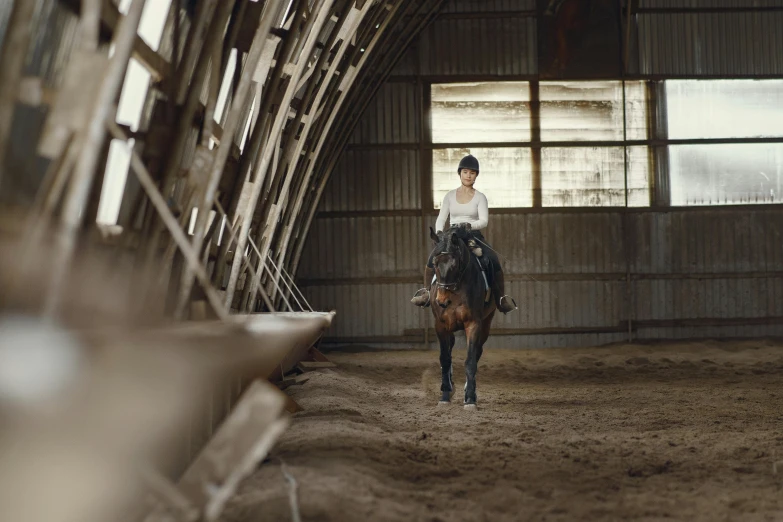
x,y
455,284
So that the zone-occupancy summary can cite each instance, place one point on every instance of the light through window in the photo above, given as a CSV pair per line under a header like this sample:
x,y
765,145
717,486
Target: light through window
x,y
729,173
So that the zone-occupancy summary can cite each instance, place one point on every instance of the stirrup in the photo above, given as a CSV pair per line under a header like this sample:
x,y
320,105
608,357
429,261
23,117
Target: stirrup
x,y
500,301
418,297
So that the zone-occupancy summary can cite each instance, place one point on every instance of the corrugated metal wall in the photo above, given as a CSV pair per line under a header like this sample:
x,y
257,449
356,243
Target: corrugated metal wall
x,y
717,43
580,277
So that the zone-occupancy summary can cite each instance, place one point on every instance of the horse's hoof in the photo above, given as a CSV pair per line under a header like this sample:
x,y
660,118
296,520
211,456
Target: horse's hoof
x,y
470,407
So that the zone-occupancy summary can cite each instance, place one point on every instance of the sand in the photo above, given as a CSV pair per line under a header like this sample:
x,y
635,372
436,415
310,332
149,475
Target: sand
x,y
651,432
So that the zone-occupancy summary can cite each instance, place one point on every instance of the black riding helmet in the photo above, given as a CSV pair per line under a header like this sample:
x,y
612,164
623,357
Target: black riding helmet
x,y
468,162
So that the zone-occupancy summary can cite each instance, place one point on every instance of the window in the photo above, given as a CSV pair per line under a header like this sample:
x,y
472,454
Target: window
x,y
594,176
496,122
508,179
480,112
725,173
592,111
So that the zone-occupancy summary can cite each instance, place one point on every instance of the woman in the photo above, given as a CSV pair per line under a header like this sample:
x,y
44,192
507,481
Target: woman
x,y
467,206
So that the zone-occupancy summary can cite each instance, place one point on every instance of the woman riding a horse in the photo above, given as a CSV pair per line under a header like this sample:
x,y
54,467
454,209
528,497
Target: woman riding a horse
x,y
467,208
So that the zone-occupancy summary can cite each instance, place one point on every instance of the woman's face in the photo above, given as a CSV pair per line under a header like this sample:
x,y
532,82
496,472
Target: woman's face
x,y
468,177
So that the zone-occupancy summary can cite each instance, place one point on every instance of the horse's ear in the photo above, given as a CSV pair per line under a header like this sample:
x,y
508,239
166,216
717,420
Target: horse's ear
x,y
434,236
455,239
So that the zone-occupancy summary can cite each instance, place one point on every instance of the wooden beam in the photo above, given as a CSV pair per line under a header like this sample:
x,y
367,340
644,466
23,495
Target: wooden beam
x,y
190,254
314,28
110,19
14,50
221,156
87,163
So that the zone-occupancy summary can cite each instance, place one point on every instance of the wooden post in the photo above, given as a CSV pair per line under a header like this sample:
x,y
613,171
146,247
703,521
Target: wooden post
x,y
86,164
324,11
347,80
348,77
14,53
219,162
191,255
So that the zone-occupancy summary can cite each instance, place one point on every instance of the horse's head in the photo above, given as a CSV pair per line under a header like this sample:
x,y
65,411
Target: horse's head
x,y
450,262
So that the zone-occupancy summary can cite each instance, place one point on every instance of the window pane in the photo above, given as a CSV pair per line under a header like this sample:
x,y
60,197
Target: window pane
x,y
639,176
593,177
724,108
726,174
505,176
480,112
592,111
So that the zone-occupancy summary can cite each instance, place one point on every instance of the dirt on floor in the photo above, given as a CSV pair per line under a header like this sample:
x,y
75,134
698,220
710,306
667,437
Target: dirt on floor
x,y
664,432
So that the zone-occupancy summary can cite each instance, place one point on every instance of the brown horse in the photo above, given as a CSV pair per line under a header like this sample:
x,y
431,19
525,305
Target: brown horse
x,y
460,303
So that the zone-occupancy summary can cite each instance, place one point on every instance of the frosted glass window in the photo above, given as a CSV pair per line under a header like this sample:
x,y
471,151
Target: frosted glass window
x,y
481,112
505,176
726,174
699,109
592,111
594,177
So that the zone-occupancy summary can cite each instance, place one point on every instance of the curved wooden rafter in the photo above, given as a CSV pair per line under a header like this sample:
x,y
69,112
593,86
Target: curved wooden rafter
x,y
302,80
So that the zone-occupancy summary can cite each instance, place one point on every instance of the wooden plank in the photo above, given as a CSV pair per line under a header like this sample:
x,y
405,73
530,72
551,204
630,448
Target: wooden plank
x,y
306,366
232,123
316,355
158,66
170,222
14,50
34,93
83,175
239,445
82,83
292,406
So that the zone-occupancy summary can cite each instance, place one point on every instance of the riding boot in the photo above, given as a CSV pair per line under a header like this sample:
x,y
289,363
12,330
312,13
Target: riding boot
x,y
422,297
503,302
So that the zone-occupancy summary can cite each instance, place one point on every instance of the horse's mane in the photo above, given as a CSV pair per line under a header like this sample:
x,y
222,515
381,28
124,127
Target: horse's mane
x,y
445,236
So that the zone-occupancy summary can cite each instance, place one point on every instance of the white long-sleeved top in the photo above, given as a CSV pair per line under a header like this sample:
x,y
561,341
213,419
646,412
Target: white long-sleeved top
x,y
475,211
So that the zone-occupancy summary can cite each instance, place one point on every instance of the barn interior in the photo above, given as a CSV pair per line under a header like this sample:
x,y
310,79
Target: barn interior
x,y
214,215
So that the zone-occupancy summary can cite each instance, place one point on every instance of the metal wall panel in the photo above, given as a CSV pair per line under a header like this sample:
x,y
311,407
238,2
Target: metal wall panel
x,y
708,241
699,44
554,243
488,6
408,63
374,180
391,117
364,247
665,299
368,310
701,4
474,46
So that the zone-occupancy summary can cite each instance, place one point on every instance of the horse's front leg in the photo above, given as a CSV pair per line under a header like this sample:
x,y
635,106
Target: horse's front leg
x,y
446,339
473,333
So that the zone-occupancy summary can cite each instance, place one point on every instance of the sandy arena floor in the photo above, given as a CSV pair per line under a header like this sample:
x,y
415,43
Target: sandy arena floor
x,y
666,432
